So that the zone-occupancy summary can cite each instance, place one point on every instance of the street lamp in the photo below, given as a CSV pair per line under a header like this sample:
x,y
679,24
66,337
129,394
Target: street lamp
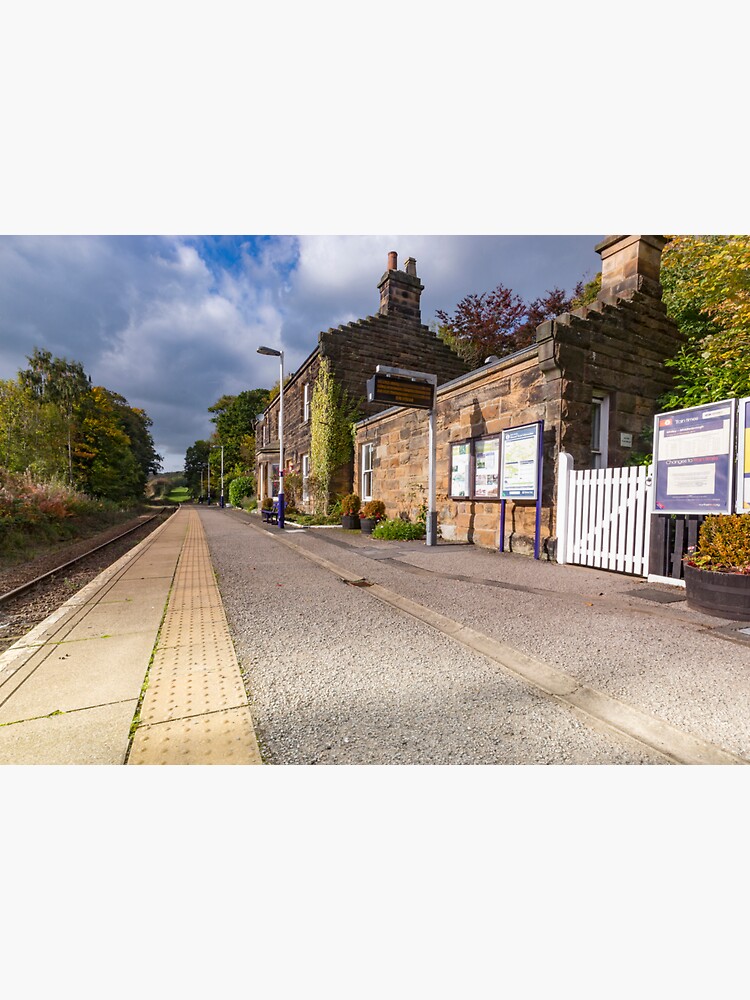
x,y
221,498
280,355
208,481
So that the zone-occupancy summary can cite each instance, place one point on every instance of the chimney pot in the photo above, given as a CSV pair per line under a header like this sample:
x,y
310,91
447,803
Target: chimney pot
x,y
411,266
392,261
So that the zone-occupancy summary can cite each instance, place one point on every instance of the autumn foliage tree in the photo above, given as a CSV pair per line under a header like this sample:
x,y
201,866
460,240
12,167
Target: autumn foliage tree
x,y
56,426
498,322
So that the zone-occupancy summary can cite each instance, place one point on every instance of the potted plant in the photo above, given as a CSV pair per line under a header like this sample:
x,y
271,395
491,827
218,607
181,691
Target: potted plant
x,y
350,511
717,570
372,512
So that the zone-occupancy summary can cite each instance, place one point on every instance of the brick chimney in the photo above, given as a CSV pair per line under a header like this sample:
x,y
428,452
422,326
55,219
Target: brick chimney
x,y
631,263
400,291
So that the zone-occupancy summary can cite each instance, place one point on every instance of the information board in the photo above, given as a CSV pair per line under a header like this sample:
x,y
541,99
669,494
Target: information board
x,y
400,391
519,467
486,467
743,457
693,459
460,460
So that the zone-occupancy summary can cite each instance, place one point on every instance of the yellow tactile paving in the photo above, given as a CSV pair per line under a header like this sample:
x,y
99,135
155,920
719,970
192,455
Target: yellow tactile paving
x,y
195,708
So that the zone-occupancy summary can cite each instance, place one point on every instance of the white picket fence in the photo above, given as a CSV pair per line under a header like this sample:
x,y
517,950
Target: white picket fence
x,y
604,516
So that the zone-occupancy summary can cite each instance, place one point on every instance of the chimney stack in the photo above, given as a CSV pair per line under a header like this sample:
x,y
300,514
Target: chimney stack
x,y
400,291
631,263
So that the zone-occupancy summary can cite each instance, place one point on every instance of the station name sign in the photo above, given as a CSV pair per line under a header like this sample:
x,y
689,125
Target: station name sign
x,y
400,390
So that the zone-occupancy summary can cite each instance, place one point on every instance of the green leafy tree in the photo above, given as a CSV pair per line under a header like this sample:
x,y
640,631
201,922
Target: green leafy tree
x,y
196,459
61,382
706,288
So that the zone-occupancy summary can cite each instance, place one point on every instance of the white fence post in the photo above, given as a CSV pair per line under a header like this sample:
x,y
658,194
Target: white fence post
x,y
564,474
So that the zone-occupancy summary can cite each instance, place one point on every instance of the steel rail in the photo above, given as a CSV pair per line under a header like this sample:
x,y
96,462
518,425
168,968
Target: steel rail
x,y
71,562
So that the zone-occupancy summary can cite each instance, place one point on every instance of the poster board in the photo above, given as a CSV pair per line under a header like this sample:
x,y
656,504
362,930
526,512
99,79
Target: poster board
x,y
460,469
486,467
743,456
694,459
519,466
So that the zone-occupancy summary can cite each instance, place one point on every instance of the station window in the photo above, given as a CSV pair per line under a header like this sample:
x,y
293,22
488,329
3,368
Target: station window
x,y
367,471
306,403
305,477
475,469
599,430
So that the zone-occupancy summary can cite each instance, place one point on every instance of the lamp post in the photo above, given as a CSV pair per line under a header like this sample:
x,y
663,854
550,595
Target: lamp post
x,y
208,481
280,355
221,496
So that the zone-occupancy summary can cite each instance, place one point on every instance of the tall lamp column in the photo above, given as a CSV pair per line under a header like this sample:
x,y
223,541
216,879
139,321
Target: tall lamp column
x,y
280,355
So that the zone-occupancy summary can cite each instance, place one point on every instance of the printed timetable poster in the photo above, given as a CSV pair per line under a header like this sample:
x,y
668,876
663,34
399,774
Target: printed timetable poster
x,y
693,452
519,468
743,457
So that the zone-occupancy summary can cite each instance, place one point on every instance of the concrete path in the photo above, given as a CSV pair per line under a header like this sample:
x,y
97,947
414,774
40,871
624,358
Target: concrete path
x,y
70,689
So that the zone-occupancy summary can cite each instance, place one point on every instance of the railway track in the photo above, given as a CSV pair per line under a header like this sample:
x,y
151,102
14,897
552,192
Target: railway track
x,y
29,602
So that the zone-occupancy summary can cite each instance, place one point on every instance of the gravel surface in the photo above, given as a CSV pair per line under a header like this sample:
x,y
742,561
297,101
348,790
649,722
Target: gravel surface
x,y
335,676
690,669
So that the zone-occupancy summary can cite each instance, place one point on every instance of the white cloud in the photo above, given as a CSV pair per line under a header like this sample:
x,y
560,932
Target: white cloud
x,y
172,323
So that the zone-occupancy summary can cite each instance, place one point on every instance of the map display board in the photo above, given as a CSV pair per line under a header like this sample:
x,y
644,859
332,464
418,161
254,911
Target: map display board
x,y
693,459
460,467
519,470
743,457
486,467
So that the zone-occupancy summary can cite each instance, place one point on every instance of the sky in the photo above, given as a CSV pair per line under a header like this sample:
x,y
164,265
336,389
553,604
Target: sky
x,y
174,322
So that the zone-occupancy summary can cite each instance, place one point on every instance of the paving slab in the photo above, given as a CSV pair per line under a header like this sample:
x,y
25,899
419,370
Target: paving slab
x,y
88,736
218,738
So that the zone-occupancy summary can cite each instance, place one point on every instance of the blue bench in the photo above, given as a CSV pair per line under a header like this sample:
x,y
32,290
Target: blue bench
x,y
271,516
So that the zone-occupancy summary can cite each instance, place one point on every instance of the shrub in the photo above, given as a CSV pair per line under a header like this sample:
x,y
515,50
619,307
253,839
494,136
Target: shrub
x,y
374,509
723,544
350,505
267,503
398,530
240,487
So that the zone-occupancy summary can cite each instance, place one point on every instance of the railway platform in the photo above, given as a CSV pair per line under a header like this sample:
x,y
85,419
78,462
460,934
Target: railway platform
x,y
138,667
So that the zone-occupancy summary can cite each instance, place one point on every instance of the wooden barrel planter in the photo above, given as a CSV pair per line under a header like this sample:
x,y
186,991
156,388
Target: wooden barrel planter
x,y
725,595
350,522
367,524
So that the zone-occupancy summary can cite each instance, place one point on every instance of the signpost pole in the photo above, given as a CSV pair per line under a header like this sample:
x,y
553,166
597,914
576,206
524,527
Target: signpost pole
x,y
502,526
538,524
431,511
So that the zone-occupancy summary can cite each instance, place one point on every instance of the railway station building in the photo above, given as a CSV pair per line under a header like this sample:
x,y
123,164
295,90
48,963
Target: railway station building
x,y
593,376
394,336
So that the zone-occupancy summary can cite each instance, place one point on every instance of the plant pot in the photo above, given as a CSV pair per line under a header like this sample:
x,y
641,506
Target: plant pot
x,y
724,595
350,522
366,524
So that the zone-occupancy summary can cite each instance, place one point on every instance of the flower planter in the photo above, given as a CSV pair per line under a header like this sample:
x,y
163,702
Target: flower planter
x,y
350,522
724,595
366,524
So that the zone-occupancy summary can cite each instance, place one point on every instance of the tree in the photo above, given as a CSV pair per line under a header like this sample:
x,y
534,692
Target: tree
x,y
105,465
498,322
706,287
196,459
235,418
61,382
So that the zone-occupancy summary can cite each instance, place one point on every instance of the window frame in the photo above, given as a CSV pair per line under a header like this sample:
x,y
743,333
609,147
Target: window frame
x,y
305,468
366,470
306,403
600,455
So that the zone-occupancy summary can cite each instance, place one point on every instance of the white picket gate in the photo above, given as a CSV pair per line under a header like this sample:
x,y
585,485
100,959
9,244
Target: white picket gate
x,y
604,517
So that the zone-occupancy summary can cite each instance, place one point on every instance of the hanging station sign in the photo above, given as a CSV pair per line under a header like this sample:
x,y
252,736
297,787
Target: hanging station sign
x,y
693,459
519,467
400,390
